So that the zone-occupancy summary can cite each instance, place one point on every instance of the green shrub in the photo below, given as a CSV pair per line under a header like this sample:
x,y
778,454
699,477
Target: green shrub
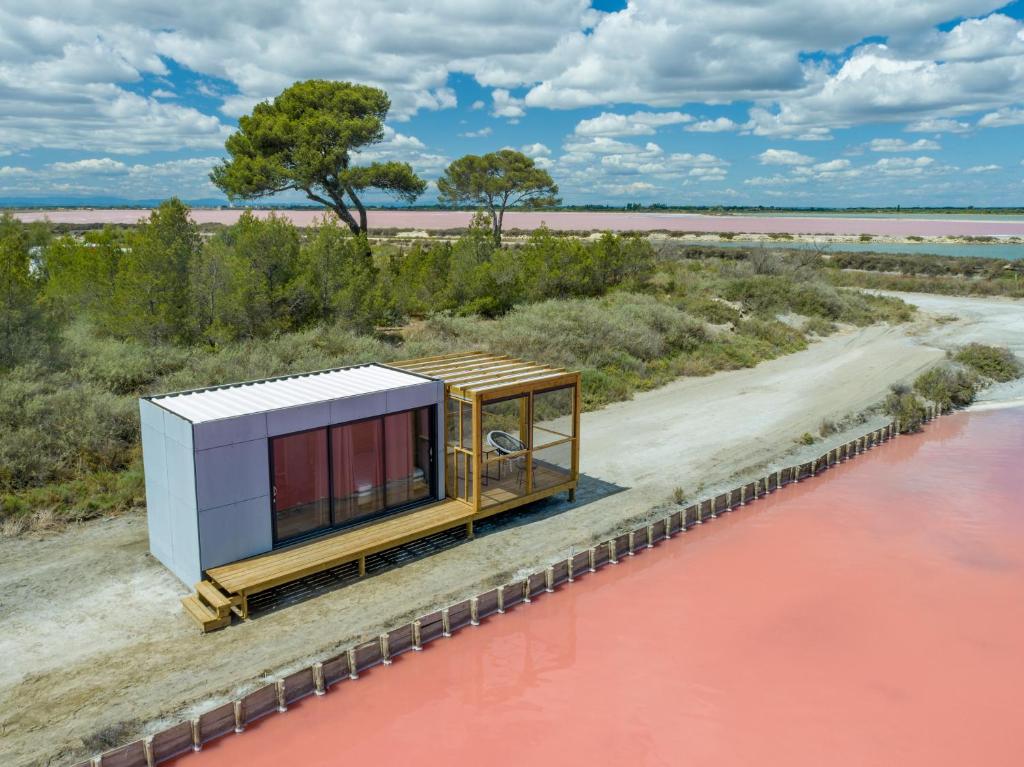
x,y
997,363
905,408
947,386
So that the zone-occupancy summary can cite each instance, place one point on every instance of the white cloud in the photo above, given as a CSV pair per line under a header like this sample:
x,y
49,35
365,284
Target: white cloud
x,y
506,105
983,168
1002,118
535,150
777,180
90,165
161,93
478,104
718,125
485,131
902,166
899,145
831,166
938,125
636,124
783,157
9,170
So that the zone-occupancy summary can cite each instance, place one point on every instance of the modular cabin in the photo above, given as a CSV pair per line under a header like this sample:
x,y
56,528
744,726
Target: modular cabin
x,y
253,485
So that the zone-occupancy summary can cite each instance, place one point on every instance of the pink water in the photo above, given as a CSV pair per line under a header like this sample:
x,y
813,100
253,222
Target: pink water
x,y
683,222
872,616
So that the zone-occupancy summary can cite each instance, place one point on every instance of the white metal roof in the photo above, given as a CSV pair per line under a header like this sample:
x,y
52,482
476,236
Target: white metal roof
x,y
261,396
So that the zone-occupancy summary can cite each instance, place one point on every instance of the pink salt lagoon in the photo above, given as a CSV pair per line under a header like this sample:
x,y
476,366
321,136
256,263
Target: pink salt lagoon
x,y
589,221
872,616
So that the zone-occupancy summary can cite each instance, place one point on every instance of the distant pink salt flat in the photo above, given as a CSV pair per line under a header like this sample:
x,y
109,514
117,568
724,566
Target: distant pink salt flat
x,y
872,616
433,220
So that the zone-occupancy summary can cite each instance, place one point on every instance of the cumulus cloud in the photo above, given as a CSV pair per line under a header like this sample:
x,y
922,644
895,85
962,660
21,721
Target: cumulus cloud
x,y
899,145
506,105
1002,118
783,157
485,131
983,168
535,150
718,125
90,165
636,124
938,125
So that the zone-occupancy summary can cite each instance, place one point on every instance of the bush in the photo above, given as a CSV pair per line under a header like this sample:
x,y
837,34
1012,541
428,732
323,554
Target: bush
x,y
905,408
993,362
947,386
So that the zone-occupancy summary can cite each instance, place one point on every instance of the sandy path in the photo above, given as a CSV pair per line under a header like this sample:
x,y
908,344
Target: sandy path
x,y
590,221
92,634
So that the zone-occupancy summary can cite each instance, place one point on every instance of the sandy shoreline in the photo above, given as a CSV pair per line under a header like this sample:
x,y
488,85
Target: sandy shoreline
x,y
94,636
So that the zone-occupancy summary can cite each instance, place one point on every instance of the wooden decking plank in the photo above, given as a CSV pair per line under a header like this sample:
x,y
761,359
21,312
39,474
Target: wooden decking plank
x,y
268,570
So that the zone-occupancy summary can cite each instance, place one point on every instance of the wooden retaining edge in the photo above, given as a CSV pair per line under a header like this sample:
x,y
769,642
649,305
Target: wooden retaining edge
x,y
318,679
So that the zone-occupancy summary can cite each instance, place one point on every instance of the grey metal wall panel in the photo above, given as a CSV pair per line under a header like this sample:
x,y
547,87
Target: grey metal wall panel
x,y
409,397
154,464
232,473
237,531
358,407
229,431
178,429
292,419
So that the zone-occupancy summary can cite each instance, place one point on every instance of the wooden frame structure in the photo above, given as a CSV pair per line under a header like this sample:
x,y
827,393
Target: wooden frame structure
x,y
539,405
475,383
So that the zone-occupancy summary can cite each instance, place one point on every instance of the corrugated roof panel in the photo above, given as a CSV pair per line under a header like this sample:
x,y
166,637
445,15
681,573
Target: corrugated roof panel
x,y
262,396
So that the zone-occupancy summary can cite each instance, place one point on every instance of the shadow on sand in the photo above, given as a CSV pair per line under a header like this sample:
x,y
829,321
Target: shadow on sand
x,y
589,490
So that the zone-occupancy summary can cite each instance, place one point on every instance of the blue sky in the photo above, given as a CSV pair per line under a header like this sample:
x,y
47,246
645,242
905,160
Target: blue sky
x,y
774,102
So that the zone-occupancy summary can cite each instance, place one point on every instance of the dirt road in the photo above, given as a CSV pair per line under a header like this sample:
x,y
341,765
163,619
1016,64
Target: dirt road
x,y
96,647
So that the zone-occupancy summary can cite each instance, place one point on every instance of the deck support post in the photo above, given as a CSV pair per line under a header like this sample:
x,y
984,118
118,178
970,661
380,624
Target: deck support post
x,y
570,568
743,495
96,761
385,649
446,622
632,543
281,705
549,579
501,599
572,495
147,751
362,566
668,527
239,716
613,554
319,687
593,559
699,515
353,669
469,529
526,590
474,611
197,735
417,638
650,536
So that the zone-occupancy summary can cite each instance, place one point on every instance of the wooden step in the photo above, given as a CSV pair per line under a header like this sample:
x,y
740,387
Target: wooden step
x,y
203,615
213,598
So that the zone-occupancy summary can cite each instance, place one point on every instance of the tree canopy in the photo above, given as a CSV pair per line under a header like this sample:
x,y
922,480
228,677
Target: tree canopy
x,y
497,181
305,140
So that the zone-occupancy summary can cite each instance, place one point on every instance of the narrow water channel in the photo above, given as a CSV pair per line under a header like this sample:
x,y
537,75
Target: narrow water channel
x,y
872,616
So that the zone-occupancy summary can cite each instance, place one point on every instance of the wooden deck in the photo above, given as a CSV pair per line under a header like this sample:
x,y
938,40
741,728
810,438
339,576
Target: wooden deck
x,y
234,583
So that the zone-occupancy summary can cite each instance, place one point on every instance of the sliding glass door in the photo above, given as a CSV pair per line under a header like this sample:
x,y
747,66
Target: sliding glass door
x,y
351,472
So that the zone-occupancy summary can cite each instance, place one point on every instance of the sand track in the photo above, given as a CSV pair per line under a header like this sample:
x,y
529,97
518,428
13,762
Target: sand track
x,y
92,635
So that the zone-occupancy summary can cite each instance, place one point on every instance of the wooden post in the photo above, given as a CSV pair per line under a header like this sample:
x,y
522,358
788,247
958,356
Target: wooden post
x,y
593,559
362,566
743,495
197,735
650,536
526,590
630,543
96,761
385,649
147,751
778,480
318,678
281,706
613,555
549,579
477,422
469,529
353,672
239,716
700,513
570,567
668,527
501,599
446,623
474,611
417,637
